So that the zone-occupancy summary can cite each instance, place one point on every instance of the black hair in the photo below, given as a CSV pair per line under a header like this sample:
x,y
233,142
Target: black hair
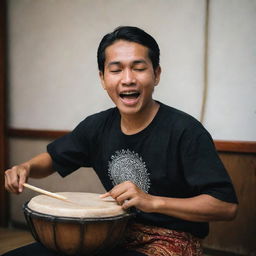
x,y
131,34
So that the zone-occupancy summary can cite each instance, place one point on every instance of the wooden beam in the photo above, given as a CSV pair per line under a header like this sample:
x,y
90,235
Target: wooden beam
x,y
35,134
235,146
221,145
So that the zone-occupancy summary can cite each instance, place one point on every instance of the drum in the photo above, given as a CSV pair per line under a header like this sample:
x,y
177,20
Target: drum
x,y
87,225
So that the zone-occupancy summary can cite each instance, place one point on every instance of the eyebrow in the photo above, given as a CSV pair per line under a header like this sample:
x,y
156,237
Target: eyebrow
x,y
141,61
114,63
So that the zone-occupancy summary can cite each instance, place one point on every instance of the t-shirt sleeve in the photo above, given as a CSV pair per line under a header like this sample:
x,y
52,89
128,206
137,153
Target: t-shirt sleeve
x,y
203,169
72,151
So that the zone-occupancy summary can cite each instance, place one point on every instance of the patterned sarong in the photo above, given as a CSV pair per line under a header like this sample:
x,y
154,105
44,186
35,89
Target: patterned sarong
x,y
156,241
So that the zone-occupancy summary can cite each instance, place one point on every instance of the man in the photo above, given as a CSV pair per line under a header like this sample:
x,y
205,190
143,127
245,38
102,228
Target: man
x,y
149,156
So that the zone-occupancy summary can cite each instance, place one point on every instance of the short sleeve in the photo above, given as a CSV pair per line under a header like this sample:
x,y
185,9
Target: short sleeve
x,y
203,169
72,151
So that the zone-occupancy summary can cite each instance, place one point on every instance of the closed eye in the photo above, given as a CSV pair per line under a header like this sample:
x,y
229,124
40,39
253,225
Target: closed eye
x,y
140,69
115,71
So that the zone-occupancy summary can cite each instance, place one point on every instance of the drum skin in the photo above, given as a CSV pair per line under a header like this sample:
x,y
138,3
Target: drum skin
x,y
74,235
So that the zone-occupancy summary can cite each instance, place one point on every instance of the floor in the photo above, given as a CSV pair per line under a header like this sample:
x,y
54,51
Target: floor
x,y
13,238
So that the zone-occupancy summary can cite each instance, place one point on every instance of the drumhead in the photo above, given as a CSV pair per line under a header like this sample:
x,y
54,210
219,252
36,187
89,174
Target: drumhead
x,y
81,205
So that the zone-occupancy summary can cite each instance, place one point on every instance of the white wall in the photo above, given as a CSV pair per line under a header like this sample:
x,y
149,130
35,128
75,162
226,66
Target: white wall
x,y
231,105
52,55
53,75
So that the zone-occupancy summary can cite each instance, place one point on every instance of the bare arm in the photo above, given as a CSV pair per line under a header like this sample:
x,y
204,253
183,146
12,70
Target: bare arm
x,y
199,208
38,167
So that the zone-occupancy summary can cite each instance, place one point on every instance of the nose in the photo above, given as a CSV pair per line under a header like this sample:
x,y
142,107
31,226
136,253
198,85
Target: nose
x,y
128,77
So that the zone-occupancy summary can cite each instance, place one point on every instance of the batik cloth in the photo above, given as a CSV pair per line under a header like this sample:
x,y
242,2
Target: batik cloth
x,y
157,241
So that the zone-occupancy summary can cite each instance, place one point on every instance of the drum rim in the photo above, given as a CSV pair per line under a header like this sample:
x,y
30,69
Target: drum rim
x,y
57,218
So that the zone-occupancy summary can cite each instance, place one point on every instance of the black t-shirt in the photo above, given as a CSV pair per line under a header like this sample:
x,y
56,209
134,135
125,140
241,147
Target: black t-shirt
x,y
173,157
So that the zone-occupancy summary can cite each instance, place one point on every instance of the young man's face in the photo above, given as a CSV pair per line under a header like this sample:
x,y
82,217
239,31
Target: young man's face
x,y
129,77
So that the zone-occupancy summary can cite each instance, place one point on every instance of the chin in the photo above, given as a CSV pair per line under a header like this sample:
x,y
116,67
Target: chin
x,y
128,110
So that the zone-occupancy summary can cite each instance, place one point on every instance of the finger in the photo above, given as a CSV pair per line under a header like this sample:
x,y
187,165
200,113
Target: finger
x,y
14,178
6,185
22,179
105,195
118,190
128,204
123,197
9,182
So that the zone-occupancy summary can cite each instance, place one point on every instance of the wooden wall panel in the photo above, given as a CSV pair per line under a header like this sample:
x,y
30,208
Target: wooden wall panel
x,y
238,236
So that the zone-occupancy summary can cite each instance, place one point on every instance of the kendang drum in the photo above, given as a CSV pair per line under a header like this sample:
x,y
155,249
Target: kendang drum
x,y
87,225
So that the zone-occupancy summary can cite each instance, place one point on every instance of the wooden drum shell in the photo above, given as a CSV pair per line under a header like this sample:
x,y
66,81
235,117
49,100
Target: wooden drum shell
x,y
76,236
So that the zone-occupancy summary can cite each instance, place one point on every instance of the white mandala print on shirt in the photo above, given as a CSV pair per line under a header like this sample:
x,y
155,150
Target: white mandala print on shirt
x,y
126,165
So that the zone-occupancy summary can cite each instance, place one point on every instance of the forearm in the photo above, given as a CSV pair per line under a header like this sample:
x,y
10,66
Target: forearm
x,y
39,166
200,208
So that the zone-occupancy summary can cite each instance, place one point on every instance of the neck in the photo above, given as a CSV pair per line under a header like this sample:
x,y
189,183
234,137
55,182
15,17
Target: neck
x,y
134,123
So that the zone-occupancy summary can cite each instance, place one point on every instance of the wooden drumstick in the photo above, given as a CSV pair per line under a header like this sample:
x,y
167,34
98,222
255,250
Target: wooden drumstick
x,y
45,192
54,195
57,196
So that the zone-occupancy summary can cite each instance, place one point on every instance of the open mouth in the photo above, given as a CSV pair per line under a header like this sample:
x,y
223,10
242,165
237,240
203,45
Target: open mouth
x,y
129,95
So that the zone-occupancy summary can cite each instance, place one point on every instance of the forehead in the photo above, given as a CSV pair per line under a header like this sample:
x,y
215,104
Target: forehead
x,y
125,51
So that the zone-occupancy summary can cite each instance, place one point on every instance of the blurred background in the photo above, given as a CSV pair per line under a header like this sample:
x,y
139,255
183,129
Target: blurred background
x,y
49,83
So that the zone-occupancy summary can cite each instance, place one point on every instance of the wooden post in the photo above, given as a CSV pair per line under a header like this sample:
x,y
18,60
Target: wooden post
x,y
3,118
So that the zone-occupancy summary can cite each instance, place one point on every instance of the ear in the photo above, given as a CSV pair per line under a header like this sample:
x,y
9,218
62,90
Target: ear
x,y
157,71
101,75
